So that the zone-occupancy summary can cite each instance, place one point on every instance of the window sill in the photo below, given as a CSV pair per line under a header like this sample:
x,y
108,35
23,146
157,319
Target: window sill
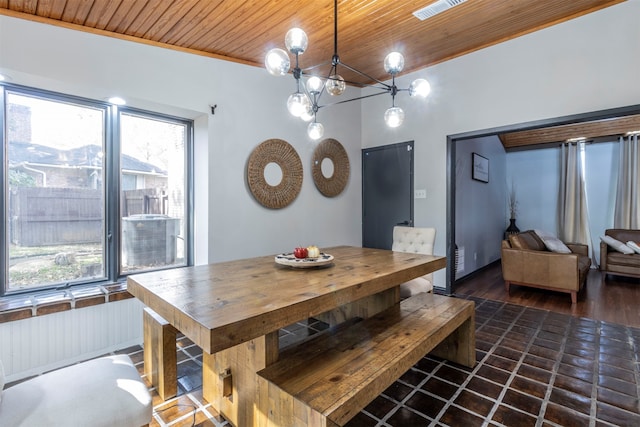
x,y
46,302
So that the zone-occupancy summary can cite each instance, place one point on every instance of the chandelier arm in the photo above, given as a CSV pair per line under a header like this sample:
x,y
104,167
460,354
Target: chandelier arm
x,y
317,97
332,71
313,98
365,75
313,67
353,99
362,85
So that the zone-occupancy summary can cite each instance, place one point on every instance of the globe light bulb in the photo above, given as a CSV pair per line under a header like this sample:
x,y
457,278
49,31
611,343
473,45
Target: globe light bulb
x,y
297,104
394,117
277,62
394,63
315,130
307,115
419,87
335,85
314,85
296,41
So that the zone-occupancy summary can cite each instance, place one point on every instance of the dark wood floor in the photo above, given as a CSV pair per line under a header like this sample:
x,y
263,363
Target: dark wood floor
x,y
605,297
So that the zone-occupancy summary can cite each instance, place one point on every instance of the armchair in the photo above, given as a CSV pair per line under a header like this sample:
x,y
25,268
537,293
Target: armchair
x,y
615,262
527,261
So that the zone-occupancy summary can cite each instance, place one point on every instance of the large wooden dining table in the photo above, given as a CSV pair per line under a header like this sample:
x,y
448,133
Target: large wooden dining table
x,y
233,310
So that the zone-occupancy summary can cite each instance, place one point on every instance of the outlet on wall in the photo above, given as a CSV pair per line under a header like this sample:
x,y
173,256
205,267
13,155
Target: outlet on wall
x,y
420,194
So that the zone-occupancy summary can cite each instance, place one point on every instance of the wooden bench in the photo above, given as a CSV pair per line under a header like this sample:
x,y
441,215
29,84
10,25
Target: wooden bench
x,y
328,379
160,358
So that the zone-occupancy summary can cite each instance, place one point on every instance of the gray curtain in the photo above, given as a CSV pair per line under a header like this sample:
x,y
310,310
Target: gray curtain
x,y
627,213
573,216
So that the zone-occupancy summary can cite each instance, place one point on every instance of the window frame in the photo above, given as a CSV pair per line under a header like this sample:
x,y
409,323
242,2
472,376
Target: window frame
x,y
111,186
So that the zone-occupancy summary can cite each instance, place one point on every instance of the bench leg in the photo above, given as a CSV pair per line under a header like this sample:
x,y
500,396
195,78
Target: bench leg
x,y
460,346
160,361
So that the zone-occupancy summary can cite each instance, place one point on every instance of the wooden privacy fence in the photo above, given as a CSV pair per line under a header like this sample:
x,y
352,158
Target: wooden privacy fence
x,y
41,216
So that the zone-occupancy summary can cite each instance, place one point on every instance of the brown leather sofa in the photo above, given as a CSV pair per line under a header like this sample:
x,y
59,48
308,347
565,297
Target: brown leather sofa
x,y
526,261
614,262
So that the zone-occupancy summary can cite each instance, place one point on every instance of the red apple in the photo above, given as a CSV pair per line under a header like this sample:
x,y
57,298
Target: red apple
x,y
300,252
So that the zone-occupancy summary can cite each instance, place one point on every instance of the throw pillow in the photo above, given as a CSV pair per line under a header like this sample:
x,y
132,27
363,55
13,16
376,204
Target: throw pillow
x,y
552,242
544,233
617,245
634,246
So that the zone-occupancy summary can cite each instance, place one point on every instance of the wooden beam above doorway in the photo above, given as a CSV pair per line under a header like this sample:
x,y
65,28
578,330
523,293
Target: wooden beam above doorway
x,y
561,133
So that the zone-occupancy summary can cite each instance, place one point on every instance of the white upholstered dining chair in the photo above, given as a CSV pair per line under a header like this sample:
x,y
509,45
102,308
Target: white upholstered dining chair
x,y
418,240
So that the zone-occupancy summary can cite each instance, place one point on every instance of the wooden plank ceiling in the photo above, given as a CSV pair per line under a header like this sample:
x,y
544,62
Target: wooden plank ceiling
x,y
243,31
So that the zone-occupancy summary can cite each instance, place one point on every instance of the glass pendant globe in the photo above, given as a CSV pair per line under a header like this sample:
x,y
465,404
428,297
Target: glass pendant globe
x,y
277,62
308,115
315,131
419,87
297,104
314,84
394,63
394,117
296,40
335,85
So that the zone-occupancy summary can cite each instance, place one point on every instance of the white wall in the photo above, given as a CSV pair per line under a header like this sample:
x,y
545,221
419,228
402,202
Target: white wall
x,y
480,207
587,64
535,175
239,226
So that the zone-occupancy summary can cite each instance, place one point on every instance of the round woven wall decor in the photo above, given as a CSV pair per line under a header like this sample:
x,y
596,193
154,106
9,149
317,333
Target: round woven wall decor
x,y
334,151
285,156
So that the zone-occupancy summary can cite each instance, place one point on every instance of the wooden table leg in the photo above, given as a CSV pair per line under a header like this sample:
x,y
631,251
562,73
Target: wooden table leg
x,y
160,361
238,366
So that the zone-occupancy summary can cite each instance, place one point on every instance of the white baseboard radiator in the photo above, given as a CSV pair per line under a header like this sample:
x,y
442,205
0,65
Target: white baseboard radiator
x,y
38,344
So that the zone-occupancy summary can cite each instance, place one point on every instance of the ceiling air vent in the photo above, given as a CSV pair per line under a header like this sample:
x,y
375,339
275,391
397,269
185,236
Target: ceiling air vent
x,y
435,8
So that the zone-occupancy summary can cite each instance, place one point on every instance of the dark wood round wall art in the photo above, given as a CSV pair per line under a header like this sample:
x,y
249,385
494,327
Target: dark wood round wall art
x,y
334,151
285,156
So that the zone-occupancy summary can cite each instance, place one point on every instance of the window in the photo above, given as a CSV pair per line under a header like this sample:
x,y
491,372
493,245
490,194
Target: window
x,y
92,192
152,166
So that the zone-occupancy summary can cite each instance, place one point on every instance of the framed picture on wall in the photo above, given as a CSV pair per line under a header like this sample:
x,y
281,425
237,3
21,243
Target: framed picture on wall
x,y
480,170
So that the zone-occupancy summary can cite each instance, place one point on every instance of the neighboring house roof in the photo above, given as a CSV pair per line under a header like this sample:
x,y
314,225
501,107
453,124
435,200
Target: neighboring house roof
x,y
86,156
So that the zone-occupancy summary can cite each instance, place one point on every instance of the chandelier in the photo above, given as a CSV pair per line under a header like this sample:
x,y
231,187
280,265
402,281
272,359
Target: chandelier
x,y
305,101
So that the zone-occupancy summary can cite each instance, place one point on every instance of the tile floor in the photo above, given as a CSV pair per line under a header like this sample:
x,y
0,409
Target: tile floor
x,y
535,368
